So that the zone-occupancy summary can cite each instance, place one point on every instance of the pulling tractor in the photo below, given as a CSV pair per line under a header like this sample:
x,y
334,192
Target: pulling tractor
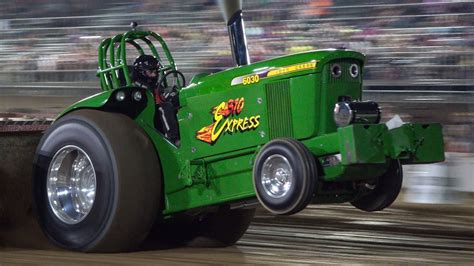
x,y
282,133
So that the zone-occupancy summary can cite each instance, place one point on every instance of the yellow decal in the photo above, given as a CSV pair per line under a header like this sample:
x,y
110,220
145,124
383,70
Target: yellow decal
x,y
251,79
225,121
272,72
293,68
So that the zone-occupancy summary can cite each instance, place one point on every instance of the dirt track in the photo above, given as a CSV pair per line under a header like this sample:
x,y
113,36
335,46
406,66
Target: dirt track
x,y
319,234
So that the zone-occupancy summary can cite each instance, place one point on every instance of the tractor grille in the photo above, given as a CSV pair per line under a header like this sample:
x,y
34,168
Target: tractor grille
x,y
279,109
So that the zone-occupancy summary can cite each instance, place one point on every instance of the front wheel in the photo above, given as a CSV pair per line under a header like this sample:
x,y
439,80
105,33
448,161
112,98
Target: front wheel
x,y
284,176
97,182
383,192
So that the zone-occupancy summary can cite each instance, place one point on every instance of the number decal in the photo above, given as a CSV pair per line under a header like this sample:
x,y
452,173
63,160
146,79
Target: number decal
x,y
251,79
270,72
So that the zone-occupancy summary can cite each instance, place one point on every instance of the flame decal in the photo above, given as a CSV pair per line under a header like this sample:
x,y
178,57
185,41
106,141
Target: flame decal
x,y
225,121
205,133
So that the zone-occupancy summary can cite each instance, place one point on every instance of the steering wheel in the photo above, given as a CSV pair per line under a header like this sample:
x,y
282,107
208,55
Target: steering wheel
x,y
174,79
170,84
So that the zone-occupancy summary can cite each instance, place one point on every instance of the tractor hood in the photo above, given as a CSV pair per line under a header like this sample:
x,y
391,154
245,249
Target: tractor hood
x,y
273,69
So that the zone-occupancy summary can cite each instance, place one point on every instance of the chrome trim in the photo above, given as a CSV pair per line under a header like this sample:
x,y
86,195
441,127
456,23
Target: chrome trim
x,y
71,184
343,114
277,176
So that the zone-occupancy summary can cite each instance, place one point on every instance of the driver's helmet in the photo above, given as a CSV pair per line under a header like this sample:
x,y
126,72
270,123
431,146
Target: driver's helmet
x,y
146,68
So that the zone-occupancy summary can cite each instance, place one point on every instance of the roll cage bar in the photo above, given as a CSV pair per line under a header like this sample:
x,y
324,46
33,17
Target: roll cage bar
x,y
113,57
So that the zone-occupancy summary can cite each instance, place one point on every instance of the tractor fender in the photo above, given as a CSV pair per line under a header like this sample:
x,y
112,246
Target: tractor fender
x,y
128,101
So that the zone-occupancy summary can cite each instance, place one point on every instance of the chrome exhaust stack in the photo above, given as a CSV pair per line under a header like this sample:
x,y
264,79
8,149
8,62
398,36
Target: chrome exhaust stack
x,y
232,11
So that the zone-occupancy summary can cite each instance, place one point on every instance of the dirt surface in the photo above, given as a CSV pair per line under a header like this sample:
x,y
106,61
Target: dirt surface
x,y
17,152
406,233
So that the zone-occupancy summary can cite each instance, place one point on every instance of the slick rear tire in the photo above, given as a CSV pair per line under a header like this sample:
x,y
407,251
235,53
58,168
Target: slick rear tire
x,y
127,182
386,190
284,176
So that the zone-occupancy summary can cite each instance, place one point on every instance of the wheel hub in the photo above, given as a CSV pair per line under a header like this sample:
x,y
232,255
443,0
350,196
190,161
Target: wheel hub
x,y
71,184
277,176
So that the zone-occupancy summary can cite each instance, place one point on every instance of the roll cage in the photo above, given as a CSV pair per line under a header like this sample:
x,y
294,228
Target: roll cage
x,y
113,57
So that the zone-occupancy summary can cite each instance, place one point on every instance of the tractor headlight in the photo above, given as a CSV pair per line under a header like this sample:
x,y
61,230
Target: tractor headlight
x,y
336,70
354,70
346,112
120,96
137,96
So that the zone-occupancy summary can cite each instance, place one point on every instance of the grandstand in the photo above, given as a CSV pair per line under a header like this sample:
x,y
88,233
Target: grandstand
x,y
50,46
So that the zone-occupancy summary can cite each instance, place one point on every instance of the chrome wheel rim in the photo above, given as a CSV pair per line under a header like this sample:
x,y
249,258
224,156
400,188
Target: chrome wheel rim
x,y
277,176
71,184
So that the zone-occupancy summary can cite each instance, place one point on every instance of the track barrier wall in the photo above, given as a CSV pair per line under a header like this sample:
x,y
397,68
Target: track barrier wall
x,y
18,141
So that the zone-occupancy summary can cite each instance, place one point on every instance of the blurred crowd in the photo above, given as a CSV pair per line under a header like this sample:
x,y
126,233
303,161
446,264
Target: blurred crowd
x,y
410,44
429,41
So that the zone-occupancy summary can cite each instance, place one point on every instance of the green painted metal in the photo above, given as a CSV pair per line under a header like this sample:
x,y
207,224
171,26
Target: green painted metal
x,y
366,149
305,94
417,143
93,102
362,144
333,88
227,180
112,60
226,117
279,109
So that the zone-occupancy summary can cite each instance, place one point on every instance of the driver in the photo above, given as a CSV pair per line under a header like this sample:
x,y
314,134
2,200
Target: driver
x,y
146,75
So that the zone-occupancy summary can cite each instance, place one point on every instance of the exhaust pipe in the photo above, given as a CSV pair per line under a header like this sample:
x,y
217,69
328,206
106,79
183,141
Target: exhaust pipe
x,y
232,11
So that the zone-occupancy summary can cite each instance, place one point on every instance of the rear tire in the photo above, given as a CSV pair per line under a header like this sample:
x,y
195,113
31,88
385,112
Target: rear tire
x,y
385,192
127,183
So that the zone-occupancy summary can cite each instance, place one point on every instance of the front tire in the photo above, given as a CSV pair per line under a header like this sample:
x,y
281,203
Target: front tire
x,y
97,182
385,192
284,176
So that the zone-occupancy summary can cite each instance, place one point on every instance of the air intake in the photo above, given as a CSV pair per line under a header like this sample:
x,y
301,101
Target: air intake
x,y
280,123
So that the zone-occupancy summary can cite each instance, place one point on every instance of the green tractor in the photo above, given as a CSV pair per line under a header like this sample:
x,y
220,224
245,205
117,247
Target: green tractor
x,y
282,133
